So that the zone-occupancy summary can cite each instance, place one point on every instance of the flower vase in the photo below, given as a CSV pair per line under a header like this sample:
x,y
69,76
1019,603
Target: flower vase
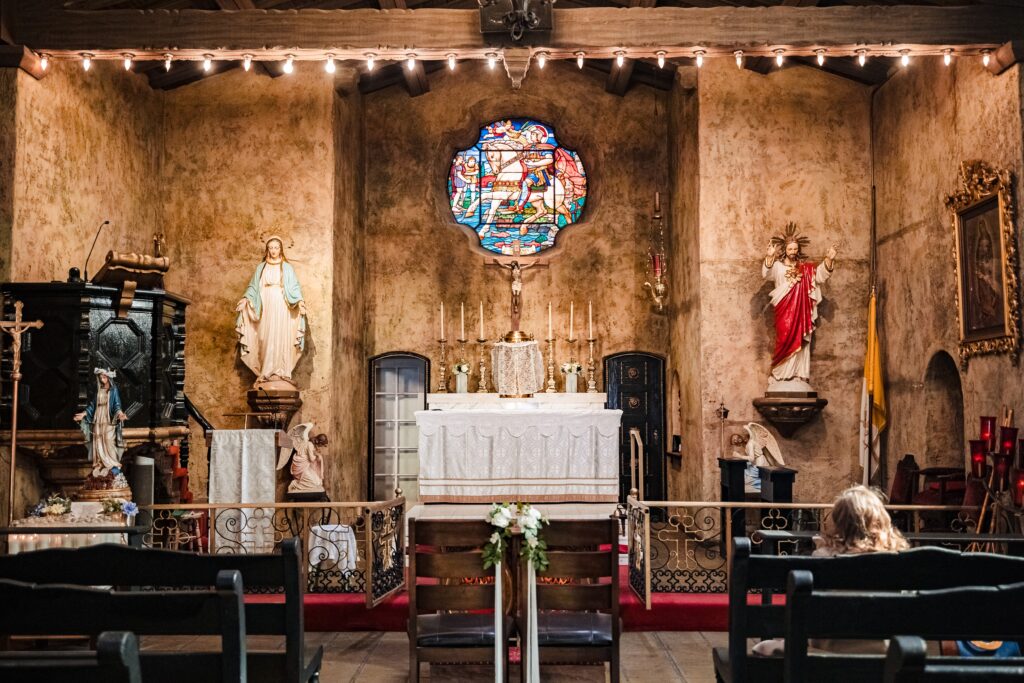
x,y
461,383
570,383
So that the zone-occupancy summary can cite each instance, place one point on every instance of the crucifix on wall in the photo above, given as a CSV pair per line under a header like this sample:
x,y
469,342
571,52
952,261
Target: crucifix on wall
x,y
515,269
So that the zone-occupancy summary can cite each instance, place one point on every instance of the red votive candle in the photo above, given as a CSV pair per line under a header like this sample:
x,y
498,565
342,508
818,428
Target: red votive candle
x,y
1007,441
988,432
1002,465
978,464
1018,489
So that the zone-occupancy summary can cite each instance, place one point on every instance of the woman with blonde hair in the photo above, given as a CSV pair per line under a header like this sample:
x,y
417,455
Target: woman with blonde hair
x,y
859,523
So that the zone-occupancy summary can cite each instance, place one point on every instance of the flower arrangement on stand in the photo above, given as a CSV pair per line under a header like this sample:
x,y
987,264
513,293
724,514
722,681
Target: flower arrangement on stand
x,y
52,506
571,370
461,370
508,519
119,506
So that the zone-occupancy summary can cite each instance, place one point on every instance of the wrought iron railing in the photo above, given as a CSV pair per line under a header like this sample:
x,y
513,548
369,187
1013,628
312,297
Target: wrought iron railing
x,y
349,547
683,546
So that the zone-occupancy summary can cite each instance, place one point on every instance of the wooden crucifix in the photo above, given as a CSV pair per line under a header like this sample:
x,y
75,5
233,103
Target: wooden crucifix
x,y
516,269
15,328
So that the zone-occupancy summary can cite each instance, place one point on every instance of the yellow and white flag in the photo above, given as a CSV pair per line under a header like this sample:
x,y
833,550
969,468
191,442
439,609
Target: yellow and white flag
x,y
872,405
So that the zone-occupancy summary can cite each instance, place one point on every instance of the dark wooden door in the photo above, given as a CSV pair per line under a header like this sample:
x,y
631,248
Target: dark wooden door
x,y
635,384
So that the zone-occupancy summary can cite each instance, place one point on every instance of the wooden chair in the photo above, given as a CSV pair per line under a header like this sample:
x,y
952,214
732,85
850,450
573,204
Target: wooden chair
x,y
907,662
577,613
451,612
916,569
981,612
60,610
118,565
116,660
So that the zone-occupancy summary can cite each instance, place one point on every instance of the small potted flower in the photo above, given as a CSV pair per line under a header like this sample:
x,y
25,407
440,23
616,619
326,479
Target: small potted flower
x,y
53,505
571,370
112,507
461,370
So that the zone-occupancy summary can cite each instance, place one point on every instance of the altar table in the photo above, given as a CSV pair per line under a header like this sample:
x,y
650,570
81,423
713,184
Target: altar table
x,y
499,454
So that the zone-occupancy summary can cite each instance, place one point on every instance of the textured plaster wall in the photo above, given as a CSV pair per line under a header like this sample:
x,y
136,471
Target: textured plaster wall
x,y
790,146
417,256
246,157
8,138
685,375
87,151
929,119
348,378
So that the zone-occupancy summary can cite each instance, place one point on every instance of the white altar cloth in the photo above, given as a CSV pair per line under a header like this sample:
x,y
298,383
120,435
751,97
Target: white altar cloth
x,y
493,455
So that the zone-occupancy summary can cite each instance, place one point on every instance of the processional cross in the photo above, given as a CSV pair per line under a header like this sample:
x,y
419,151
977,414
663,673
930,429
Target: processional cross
x,y
15,328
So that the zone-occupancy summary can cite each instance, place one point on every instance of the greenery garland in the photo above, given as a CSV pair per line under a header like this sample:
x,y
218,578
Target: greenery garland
x,y
509,518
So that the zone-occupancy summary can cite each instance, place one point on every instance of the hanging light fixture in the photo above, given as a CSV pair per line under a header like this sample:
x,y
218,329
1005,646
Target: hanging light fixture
x,y
739,58
699,55
207,63
86,61
661,59
862,56
369,61
821,56
329,66
620,57
451,61
579,59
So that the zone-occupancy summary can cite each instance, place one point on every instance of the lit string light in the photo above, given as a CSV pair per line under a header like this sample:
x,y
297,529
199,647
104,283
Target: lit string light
x,y
86,62
410,63
451,62
542,59
44,62
821,56
905,58
620,57
289,64
128,62
329,66
739,58
862,57
986,57
700,58
167,61
661,59
207,63
247,62
579,59
492,59
369,61
947,56
778,56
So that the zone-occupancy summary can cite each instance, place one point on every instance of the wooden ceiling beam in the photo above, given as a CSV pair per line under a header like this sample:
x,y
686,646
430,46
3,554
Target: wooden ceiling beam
x,y
619,77
1006,56
432,33
416,81
184,73
20,57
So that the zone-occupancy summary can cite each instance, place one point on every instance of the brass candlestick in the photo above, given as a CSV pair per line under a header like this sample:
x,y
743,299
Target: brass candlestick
x,y
551,366
482,388
442,382
591,369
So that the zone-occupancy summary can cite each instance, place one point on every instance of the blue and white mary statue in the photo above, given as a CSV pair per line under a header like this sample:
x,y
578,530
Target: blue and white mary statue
x,y
271,323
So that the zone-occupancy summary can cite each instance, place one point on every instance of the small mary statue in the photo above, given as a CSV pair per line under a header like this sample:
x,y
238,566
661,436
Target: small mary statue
x,y
271,322
101,424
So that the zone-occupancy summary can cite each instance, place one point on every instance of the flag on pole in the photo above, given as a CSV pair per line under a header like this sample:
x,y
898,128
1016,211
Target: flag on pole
x,y
872,406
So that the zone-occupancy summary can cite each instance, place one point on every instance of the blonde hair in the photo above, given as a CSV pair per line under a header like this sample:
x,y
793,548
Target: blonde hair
x,y
860,524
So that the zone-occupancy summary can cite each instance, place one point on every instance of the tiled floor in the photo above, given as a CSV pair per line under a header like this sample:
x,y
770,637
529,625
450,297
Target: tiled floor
x,y
364,657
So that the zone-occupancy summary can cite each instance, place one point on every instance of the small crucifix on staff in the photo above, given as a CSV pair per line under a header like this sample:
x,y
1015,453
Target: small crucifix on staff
x,y
15,328
516,269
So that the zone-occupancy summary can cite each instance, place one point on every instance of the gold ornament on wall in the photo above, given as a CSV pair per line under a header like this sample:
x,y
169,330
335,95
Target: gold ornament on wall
x,y
985,257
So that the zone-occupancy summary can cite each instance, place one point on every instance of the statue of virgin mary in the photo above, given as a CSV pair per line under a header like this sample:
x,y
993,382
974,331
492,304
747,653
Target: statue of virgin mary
x,y
271,323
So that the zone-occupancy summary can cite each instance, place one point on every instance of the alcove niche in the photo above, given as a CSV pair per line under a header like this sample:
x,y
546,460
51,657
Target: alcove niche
x,y
944,409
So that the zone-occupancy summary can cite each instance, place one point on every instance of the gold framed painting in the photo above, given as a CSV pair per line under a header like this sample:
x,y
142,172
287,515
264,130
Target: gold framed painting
x,y
985,253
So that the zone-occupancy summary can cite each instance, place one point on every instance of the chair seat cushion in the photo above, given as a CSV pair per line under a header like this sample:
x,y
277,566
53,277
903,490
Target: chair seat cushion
x,y
455,630
574,628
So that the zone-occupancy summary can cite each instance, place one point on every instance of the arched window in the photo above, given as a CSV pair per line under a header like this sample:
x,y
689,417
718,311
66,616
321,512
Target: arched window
x,y
517,187
398,388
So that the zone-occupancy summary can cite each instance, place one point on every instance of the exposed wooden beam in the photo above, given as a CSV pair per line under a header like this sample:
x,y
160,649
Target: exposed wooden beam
x,y
184,73
619,77
6,14
20,57
432,33
874,72
416,81
1006,56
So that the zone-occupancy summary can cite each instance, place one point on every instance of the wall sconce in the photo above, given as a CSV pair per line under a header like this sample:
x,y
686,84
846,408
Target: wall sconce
x,y
656,261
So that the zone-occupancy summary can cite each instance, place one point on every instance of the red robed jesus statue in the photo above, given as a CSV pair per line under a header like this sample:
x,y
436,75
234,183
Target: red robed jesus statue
x,y
795,297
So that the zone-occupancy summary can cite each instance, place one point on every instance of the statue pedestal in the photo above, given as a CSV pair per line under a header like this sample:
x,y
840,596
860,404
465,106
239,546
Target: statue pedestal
x,y
307,497
789,410
273,408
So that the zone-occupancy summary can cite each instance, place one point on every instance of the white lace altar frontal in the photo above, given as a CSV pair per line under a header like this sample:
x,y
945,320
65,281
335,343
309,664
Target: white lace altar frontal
x,y
499,453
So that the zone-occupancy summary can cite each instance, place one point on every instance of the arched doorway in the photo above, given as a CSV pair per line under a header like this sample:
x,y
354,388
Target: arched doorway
x,y
944,409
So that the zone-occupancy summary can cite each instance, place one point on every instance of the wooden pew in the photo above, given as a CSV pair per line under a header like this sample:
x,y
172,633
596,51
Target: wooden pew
x,y
907,662
919,568
62,610
771,540
972,612
116,660
119,565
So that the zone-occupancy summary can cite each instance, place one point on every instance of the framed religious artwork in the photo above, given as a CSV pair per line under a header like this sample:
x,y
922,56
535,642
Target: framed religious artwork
x,y
985,254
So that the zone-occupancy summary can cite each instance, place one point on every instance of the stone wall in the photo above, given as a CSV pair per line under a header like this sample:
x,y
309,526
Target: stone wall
x,y
929,119
417,256
8,143
790,146
246,157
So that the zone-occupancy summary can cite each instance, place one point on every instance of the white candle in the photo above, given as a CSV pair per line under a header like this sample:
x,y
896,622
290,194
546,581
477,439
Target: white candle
x,y
550,333
13,544
481,320
442,321
590,320
462,320
572,306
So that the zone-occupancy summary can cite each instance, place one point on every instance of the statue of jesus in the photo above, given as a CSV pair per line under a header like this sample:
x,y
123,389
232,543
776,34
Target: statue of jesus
x,y
795,297
516,273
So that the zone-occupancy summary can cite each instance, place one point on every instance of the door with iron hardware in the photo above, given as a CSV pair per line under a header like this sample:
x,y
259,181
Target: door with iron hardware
x,y
635,384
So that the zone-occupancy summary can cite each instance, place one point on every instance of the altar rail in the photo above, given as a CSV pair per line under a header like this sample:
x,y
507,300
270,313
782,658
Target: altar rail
x,y
683,546
353,547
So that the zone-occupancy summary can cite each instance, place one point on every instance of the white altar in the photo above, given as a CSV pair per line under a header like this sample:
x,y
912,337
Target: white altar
x,y
480,448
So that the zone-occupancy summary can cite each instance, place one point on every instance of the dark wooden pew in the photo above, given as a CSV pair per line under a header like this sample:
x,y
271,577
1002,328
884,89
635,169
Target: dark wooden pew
x,y
116,660
907,661
972,612
916,569
62,610
771,540
119,565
